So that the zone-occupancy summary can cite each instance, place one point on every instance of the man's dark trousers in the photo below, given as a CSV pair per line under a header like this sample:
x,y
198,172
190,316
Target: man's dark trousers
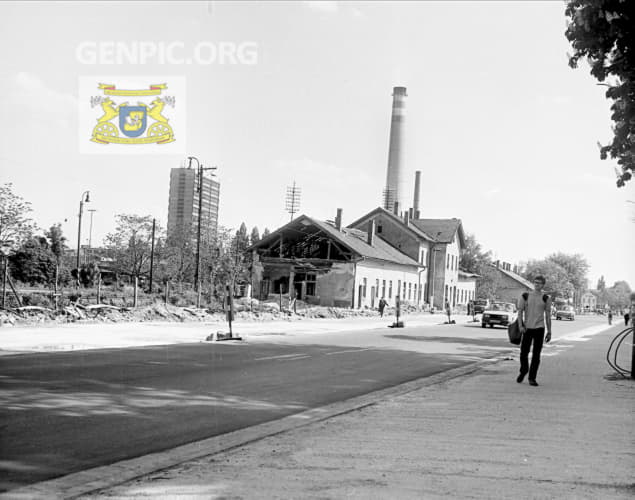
x,y
537,336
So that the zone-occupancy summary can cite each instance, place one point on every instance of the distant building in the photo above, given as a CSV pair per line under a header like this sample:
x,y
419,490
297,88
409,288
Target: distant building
x,y
184,200
510,285
327,264
436,244
588,301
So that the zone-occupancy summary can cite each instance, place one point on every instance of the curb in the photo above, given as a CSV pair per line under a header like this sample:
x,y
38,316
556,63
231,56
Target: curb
x,y
104,477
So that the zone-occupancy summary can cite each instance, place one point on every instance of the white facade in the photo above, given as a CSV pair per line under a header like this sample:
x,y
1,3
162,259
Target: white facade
x,y
588,302
377,279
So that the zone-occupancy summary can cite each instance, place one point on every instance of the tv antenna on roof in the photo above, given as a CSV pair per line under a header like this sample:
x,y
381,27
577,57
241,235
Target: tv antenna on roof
x,y
292,204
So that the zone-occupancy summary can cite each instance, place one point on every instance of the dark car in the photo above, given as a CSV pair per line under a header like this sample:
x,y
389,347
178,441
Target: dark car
x,y
480,305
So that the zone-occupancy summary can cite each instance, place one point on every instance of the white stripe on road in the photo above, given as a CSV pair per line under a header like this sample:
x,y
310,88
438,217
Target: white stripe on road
x,y
350,350
296,356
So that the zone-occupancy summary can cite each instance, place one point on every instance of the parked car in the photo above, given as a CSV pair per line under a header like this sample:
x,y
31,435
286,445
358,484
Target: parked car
x,y
480,305
499,313
566,312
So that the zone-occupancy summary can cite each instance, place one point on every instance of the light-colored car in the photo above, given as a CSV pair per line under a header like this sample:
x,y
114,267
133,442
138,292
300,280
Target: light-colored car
x,y
499,314
566,312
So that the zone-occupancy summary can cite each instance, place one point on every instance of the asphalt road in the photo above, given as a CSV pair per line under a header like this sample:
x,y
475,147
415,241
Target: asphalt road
x,y
70,411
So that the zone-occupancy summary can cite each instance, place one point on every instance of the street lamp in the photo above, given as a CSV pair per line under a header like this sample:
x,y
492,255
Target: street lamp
x,y
200,209
85,198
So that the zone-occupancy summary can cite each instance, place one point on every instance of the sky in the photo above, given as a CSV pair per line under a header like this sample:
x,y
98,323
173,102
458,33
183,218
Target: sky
x,y
504,132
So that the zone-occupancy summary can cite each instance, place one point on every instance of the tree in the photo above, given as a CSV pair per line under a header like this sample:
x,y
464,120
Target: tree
x,y
576,268
255,236
618,296
266,232
603,33
179,256
131,243
558,283
601,286
475,260
33,262
15,225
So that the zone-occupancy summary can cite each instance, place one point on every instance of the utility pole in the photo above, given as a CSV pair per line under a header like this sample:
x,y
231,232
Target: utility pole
x,y
79,229
201,169
152,252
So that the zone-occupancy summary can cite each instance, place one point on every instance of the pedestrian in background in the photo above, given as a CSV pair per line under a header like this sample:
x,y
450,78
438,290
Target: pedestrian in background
x,y
534,313
627,316
382,306
610,316
448,311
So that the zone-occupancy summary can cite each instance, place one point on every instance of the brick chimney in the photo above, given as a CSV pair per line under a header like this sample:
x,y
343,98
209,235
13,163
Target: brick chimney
x,y
370,237
338,220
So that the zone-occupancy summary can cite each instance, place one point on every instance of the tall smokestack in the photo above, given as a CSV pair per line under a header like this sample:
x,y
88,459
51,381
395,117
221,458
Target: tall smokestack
x,y
396,182
415,204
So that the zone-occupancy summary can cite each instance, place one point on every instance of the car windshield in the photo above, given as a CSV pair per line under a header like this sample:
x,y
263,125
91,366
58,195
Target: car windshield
x,y
567,308
480,302
502,306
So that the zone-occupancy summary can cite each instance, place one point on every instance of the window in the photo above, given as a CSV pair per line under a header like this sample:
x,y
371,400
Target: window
x,y
376,288
379,228
447,262
398,291
311,284
364,283
404,290
390,289
383,288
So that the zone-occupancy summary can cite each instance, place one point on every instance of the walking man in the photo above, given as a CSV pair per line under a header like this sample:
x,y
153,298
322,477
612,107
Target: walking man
x,y
534,312
382,306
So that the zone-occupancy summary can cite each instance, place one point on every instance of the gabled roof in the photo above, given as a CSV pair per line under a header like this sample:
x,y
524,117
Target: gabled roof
x,y
515,277
442,230
410,227
352,239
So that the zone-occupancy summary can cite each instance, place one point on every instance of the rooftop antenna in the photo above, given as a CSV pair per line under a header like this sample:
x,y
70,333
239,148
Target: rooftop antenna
x,y
292,203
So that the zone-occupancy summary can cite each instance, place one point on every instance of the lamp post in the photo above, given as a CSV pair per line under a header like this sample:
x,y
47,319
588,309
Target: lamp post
x,y
85,198
200,169
90,236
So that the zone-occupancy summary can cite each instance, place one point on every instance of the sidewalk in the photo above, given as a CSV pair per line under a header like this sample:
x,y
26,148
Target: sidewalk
x,y
477,436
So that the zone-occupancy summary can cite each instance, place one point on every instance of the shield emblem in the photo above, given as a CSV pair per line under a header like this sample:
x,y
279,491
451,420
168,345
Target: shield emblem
x,y
133,120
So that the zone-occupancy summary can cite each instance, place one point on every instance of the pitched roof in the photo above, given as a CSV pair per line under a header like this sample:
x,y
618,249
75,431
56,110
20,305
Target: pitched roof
x,y
442,230
515,277
353,239
380,210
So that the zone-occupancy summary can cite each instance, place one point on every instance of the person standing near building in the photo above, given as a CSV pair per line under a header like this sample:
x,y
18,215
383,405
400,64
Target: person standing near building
x,y
534,313
448,311
382,306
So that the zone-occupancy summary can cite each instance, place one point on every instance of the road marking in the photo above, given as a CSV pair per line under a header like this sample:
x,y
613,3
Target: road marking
x,y
283,356
349,350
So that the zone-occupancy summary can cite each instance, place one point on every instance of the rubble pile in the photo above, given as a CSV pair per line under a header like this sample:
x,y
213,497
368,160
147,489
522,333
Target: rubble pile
x,y
244,310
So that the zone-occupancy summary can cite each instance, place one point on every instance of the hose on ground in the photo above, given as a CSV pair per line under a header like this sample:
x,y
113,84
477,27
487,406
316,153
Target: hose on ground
x,y
619,338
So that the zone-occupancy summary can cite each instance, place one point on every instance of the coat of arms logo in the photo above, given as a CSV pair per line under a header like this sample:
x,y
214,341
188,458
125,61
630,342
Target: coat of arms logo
x,y
133,120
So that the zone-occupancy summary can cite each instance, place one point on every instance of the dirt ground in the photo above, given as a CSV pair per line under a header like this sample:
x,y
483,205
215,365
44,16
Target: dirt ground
x,y
245,310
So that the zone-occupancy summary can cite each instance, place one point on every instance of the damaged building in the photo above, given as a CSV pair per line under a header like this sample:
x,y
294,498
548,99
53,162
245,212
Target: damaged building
x,y
324,263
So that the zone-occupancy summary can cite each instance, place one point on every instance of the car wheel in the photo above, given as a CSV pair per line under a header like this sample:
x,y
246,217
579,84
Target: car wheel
x,y
482,325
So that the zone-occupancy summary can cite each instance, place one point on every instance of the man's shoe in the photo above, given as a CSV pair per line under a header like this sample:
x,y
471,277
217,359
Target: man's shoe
x,y
534,383
520,378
